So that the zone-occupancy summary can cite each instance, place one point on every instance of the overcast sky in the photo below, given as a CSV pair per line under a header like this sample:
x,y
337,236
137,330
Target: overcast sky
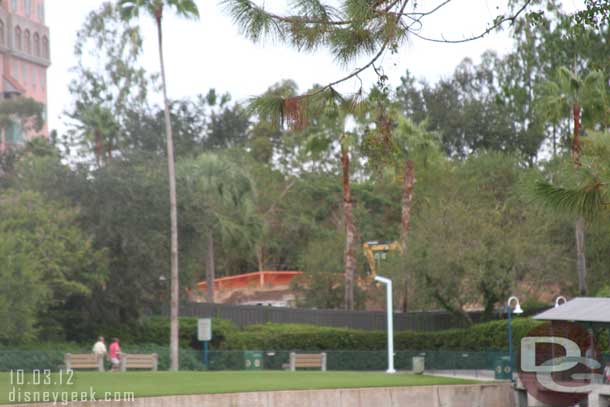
x,y
211,52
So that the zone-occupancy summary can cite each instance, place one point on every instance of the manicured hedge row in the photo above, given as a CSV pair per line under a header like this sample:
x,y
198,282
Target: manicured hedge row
x,y
492,335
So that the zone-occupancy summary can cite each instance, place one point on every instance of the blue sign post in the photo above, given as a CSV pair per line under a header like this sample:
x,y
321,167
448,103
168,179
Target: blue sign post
x,y
204,353
204,335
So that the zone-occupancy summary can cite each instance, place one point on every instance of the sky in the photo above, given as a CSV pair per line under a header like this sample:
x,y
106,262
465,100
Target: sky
x,y
211,52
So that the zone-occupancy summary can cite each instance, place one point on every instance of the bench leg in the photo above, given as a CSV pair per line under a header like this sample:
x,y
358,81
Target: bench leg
x,y
324,362
122,363
155,362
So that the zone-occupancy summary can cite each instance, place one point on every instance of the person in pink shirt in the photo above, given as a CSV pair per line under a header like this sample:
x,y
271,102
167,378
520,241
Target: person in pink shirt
x,y
114,353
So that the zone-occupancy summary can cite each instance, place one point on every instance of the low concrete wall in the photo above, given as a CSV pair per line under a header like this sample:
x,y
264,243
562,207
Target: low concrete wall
x,y
478,395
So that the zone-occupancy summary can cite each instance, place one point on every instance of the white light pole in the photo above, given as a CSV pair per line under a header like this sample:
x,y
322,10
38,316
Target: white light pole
x,y
517,311
390,314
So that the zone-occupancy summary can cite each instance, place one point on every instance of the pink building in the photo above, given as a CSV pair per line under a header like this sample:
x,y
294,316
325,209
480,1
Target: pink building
x,y
24,59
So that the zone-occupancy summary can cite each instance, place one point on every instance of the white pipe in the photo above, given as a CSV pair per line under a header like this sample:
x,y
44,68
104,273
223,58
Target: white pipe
x,y
390,314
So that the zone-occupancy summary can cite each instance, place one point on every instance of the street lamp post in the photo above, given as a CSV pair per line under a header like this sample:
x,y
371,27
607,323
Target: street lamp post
x,y
509,311
390,314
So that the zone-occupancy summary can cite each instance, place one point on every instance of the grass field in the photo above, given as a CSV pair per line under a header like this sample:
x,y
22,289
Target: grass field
x,y
166,383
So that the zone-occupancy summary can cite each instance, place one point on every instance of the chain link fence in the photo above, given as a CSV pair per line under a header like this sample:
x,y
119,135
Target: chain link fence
x,y
191,359
473,364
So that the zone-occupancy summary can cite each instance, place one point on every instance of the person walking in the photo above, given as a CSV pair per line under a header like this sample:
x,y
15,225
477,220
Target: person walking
x,y
114,353
99,350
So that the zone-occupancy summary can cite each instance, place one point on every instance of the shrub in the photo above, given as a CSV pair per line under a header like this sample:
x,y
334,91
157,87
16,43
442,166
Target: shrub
x,y
490,335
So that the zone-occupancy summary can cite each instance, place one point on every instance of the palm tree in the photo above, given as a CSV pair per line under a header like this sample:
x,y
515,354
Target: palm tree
x,y
567,96
99,128
349,259
185,8
218,194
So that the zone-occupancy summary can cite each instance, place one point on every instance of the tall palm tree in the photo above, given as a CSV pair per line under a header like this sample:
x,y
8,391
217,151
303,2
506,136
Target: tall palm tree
x,y
349,258
131,9
582,99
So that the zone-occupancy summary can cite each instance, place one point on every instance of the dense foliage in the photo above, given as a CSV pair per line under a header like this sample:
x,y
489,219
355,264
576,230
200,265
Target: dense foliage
x,y
85,236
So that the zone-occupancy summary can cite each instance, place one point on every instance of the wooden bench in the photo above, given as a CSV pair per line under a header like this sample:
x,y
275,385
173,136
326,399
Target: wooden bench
x,y
83,361
139,361
317,360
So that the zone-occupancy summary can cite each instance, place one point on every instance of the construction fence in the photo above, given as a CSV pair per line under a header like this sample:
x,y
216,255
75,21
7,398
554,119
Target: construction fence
x,y
244,315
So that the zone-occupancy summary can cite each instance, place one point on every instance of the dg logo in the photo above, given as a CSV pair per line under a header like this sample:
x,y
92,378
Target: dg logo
x,y
559,363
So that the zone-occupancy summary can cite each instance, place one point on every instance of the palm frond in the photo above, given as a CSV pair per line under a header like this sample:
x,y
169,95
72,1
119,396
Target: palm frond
x,y
129,9
185,8
588,202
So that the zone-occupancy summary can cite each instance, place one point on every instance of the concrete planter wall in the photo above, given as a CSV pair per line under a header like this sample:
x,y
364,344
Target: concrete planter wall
x,y
479,395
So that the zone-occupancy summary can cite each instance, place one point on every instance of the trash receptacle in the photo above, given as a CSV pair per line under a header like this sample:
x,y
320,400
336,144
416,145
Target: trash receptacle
x,y
419,364
253,360
502,370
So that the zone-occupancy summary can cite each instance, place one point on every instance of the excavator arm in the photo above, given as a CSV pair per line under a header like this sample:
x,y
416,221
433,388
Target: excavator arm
x,y
374,250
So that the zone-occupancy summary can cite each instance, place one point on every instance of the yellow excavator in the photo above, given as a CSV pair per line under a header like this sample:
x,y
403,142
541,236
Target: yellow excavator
x,y
377,250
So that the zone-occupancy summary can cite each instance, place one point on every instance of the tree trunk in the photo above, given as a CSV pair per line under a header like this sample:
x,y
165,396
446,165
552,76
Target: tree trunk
x,y
446,304
210,269
576,139
581,261
554,141
350,232
260,257
175,291
99,150
579,228
407,200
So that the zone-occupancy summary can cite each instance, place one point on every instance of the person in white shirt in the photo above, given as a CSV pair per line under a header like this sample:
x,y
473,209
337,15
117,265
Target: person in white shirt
x,y
100,347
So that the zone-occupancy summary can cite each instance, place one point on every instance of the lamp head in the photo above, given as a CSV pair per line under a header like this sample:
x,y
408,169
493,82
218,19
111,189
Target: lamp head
x,y
518,309
560,298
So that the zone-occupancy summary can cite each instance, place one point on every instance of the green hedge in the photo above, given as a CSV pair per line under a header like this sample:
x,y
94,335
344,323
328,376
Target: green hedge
x,y
491,335
280,337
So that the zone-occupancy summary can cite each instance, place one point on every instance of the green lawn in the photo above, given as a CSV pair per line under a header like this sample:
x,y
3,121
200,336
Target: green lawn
x,y
166,383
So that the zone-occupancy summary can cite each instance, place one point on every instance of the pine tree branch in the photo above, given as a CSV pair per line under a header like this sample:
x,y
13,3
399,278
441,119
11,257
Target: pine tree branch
x,y
498,22
364,67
